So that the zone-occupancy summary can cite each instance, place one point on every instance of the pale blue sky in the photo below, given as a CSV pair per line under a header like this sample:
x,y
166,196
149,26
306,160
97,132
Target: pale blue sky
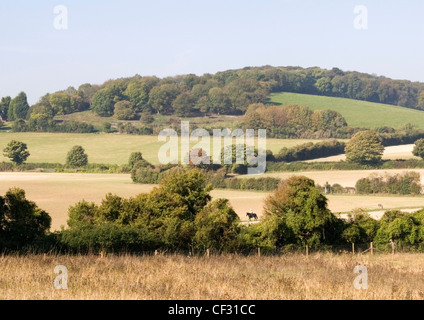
x,y
110,39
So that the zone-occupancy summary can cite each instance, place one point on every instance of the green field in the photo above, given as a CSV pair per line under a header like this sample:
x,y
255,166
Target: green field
x,y
102,147
357,113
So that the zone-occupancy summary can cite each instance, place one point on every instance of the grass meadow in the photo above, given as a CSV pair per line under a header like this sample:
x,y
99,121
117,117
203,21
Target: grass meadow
x,y
319,276
107,148
357,113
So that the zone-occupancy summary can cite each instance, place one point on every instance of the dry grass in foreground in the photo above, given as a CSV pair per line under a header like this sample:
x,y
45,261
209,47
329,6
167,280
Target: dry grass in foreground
x,y
230,277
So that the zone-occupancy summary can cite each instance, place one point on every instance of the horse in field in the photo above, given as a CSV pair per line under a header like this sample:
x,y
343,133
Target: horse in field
x,y
252,216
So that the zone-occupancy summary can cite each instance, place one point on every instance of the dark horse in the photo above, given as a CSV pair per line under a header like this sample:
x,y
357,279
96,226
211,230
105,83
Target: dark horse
x,y
252,216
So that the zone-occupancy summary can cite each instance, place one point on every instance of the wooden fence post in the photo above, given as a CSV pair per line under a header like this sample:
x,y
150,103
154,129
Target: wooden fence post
x,y
372,248
259,252
207,253
393,246
353,248
307,250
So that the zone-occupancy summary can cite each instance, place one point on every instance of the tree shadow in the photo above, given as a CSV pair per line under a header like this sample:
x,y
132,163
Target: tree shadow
x,y
268,102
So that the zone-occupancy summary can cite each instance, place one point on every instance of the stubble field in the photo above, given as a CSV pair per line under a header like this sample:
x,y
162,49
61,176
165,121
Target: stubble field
x,y
55,192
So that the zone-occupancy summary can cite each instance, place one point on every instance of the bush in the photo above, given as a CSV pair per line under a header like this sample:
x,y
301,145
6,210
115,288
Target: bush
x,y
310,151
403,229
76,157
129,128
217,227
124,110
365,147
108,237
360,227
22,223
74,127
419,149
303,211
107,127
146,175
406,183
19,126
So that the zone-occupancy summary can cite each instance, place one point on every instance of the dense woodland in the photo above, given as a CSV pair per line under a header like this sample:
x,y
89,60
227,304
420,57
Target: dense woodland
x,y
230,92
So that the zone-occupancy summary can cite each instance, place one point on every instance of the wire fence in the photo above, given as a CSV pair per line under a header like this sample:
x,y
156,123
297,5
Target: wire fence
x,y
354,249
342,249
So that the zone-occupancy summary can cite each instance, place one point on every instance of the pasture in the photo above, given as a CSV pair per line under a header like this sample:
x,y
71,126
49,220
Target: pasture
x,y
55,192
321,276
357,113
103,148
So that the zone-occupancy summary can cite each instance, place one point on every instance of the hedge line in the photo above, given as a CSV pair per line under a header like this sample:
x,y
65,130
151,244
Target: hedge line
x,y
310,151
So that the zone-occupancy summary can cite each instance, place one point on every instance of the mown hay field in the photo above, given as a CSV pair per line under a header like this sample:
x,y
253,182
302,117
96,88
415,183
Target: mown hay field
x,y
319,276
402,152
346,178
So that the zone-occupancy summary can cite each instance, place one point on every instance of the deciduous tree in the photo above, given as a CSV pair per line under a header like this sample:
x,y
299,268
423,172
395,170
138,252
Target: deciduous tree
x,y
77,157
365,147
16,151
18,107
419,149
303,210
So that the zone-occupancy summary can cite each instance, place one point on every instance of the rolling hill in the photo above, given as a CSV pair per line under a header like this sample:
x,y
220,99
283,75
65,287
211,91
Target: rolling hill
x,y
357,113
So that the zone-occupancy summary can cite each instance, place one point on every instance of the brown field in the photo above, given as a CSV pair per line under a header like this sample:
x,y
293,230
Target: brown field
x,y
346,178
390,153
55,192
320,276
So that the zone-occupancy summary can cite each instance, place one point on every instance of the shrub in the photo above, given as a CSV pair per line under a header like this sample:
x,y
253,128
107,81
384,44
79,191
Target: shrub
x,y
108,237
217,226
365,147
419,149
406,183
124,110
22,223
134,157
76,157
402,228
310,150
303,209
107,127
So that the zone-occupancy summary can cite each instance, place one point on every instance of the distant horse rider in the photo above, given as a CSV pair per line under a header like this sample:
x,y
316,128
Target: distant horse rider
x,y
252,215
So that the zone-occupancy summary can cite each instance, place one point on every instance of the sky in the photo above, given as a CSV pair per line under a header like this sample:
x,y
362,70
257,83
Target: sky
x,y
43,50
